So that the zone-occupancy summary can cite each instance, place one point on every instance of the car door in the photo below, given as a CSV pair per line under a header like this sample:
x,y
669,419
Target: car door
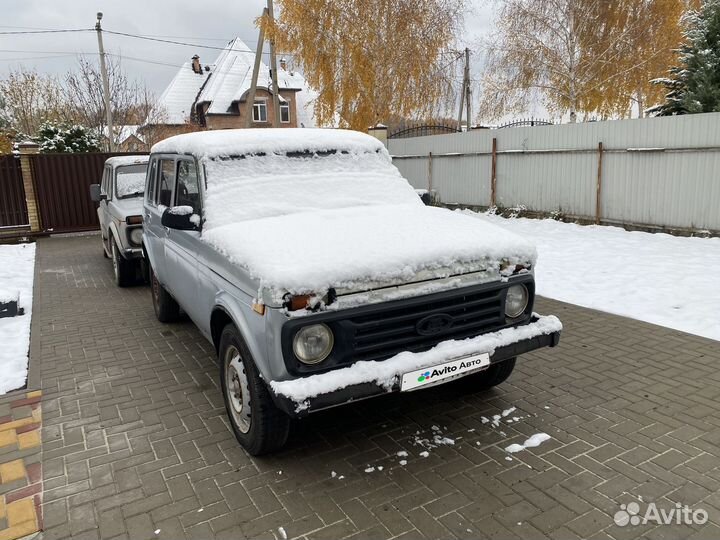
x,y
181,246
102,209
158,197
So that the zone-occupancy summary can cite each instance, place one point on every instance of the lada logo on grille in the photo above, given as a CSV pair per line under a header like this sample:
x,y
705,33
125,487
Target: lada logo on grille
x,y
433,324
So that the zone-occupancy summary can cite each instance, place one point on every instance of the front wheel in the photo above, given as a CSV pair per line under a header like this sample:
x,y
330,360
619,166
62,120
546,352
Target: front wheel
x,y
124,270
259,426
165,306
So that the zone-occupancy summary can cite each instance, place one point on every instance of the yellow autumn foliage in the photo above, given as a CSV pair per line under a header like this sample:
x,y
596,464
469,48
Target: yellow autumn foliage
x,y
581,56
371,59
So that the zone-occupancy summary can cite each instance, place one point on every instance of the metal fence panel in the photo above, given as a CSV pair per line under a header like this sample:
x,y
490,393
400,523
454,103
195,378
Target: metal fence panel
x,y
656,171
62,183
13,207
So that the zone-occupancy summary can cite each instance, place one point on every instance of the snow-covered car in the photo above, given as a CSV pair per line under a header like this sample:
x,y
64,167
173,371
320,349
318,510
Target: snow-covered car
x,y
320,278
120,199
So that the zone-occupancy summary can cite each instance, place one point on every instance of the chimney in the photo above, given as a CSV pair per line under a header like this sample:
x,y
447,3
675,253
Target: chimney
x,y
196,67
283,64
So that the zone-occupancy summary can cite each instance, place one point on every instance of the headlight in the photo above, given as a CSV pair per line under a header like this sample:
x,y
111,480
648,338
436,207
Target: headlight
x,y
516,300
313,343
136,236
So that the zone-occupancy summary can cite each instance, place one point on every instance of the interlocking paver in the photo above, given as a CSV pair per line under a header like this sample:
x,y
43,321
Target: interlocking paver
x,y
135,437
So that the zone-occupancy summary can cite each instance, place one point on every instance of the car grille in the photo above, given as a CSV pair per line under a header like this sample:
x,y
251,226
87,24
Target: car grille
x,y
384,333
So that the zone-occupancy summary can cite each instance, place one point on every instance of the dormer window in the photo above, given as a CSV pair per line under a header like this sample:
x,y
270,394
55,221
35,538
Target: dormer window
x,y
285,113
260,111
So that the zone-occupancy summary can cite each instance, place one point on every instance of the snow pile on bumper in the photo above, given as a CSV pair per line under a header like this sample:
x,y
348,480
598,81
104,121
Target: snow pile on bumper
x,y
385,373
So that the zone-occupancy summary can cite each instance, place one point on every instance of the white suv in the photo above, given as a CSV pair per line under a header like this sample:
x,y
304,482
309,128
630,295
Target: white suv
x,y
120,198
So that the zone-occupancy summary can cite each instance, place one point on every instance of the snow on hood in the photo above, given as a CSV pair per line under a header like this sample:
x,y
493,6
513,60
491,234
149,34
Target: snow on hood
x,y
234,142
306,223
342,248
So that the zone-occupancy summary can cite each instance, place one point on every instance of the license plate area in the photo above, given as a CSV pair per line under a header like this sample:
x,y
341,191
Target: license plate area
x,y
447,371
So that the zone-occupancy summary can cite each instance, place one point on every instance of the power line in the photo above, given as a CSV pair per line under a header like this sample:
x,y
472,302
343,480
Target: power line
x,y
35,57
64,30
184,43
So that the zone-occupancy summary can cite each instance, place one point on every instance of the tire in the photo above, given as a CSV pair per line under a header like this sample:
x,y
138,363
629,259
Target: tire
x,y
124,270
492,376
259,426
166,308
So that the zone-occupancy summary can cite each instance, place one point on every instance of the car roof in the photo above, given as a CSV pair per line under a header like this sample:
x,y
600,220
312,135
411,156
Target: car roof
x,y
236,142
118,161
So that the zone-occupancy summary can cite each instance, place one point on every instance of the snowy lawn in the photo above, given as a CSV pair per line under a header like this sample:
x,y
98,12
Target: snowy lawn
x,y
17,264
658,278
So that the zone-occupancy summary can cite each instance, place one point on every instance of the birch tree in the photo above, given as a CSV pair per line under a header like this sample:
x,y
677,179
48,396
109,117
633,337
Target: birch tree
x,y
372,59
575,56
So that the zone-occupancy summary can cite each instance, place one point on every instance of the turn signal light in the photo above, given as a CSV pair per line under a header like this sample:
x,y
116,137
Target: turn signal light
x,y
133,220
294,303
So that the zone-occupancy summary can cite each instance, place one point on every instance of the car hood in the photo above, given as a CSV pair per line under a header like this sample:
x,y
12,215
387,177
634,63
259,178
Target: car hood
x,y
127,207
349,248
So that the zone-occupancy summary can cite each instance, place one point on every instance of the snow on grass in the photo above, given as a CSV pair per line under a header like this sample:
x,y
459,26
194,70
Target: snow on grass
x,y
657,278
17,267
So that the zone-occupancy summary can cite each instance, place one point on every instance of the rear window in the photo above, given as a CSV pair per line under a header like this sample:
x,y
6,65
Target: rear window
x,y
130,180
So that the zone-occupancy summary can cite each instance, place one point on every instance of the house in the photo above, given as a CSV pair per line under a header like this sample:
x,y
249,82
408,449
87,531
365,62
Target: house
x,y
215,96
127,138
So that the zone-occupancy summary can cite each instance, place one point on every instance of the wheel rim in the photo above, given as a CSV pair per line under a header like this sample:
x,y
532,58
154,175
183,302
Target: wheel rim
x,y
114,260
236,388
155,288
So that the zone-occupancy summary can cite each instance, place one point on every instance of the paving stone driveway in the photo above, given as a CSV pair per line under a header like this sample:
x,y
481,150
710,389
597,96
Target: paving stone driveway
x,y
136,443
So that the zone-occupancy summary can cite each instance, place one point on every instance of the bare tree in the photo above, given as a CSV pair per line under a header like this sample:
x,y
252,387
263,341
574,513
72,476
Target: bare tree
x,y
29,99
131,101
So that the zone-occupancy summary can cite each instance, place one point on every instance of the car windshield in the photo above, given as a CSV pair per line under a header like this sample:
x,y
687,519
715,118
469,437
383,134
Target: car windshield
x,y
130,180
267,185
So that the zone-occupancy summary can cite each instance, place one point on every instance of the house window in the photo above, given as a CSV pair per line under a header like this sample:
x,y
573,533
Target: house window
x,y
285,113
260,111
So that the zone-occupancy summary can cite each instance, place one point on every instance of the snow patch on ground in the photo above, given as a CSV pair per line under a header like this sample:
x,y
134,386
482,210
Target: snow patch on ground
x,y
657,278
17,267
385,373
532,442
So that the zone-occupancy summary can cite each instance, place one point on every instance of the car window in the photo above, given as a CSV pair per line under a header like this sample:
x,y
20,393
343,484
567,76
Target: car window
x,y
165,185
150,183
130,180
187,188
103,182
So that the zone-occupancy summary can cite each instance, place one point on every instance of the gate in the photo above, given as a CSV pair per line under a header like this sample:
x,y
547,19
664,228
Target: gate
x,y
13,208
62,183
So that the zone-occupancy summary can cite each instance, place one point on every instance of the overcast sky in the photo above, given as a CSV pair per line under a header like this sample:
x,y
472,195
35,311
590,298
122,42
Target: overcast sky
x,y
206,22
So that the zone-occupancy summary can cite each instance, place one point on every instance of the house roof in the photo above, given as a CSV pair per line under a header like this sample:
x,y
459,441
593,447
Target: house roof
x,y
226,82
123,133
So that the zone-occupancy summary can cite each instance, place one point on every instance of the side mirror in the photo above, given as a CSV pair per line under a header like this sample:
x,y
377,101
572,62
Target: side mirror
x,y
181,218
95,192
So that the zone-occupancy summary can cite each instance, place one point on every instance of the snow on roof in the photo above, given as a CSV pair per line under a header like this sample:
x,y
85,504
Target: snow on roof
x,y
123,133
226,82
175,103
233,142
119,161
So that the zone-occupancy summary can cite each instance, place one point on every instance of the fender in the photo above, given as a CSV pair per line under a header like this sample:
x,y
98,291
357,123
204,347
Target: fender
x,y
113,232
249,324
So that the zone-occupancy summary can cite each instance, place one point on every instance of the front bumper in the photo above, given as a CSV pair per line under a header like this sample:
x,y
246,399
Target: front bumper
x,y
132,253
297,398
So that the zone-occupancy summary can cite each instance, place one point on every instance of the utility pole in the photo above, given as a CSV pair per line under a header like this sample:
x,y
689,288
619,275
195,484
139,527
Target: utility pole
x,y
106,84
468,91
256,70
273,69
465,100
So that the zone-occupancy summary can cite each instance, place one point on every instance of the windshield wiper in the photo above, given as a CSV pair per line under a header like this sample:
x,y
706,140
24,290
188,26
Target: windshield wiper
x,y
134,194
